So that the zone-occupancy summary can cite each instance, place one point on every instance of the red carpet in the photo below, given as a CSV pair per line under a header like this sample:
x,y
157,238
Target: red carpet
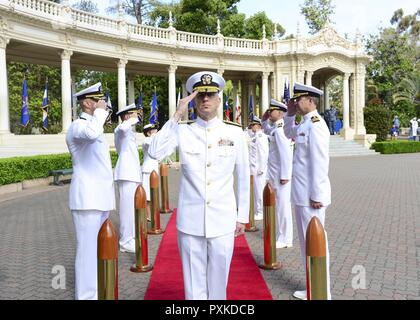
x,y
245,279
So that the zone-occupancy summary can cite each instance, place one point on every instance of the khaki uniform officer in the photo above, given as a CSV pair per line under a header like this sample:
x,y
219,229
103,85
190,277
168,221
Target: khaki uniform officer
x,y
258,159
208,216
280,173
127,174
311,190
92,189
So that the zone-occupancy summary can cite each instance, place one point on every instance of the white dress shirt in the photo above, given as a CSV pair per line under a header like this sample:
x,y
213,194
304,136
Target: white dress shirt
x,y
210,152
311,159
91,185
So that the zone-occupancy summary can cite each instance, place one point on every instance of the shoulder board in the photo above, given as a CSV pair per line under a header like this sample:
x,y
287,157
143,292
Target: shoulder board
x,y
280,125
186,122
232,123
315,119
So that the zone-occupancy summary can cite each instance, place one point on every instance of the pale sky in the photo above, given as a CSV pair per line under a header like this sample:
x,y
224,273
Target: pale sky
x,y
366,15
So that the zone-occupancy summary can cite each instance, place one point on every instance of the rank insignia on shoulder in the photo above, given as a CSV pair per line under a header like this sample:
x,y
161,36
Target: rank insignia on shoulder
x,y
260,135
186,122
315,119
280,125
232,123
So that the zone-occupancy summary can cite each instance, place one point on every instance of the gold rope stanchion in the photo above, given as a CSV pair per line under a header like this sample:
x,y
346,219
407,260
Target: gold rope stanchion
x,y
164,189
142,259
250,227
107,262
316,261
269,201
154,205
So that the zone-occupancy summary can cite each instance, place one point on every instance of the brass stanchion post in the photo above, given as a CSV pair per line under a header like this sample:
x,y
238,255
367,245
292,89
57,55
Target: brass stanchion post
x,y
164,189
154,205
250,227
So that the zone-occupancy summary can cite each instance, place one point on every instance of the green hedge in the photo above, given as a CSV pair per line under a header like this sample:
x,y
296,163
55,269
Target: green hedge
x,y
391,147
17,169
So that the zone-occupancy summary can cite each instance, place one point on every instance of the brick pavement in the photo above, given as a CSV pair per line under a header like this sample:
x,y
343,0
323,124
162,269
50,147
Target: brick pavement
x,y
373,222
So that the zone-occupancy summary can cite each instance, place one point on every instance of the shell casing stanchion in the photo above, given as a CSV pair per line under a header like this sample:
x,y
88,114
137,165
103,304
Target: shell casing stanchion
x,y
142,254
154,205
316,261
269,202
164,189
107,262
250,227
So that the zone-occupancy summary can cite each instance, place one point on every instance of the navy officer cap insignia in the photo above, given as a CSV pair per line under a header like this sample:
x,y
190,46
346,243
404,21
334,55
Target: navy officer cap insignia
x,y
255,120
205,81
93,92
277,105
302,90
131,107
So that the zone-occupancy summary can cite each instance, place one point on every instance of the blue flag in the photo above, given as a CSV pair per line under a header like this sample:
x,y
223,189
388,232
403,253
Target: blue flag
x,y
154,110
191,113
286,94
140,107
24,117
251,107
45,108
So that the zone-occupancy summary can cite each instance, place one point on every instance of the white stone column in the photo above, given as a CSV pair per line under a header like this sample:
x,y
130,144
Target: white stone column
x,y
131,92
172,90
346,132
220,110
4,89
122,91
309,75
73,97
326,97
360,119
264,92
66,89
234,94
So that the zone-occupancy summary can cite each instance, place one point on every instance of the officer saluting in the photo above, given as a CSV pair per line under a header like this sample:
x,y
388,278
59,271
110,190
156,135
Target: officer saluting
x,y
127,174
280,172
258,158
311,190
91,190
208,215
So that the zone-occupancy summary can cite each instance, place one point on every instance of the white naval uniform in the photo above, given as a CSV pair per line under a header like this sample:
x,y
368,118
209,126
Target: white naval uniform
x,y
210,152
258,158
149,164
128,176
310,174
280,161
91,195
414,127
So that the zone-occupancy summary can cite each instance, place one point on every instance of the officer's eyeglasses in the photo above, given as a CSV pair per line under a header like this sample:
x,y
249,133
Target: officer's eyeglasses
x,y
201,95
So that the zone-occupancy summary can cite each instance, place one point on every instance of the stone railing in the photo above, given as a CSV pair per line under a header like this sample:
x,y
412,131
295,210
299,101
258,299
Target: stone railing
x,y
64,17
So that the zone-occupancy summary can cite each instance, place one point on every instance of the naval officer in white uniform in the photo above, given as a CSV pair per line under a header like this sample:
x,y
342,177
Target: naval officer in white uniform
x,y
127,174
208,216
280,172
258,160
92,186
311,189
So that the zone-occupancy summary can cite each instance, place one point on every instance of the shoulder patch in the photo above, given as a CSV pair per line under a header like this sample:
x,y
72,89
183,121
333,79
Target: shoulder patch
x,y
186,122
315,119
232,123
280,125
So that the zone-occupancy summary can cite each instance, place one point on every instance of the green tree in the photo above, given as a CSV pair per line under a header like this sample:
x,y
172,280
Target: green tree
x,y
378,120
140,9
86,5
254,27
317,13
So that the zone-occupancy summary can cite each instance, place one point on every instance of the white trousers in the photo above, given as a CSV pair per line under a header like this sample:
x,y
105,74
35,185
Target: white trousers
x,y
127,190
87,224
303,217
284,218
259,184
205,265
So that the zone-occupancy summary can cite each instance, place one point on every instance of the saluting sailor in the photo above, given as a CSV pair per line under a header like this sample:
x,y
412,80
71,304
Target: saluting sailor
x,y
208,216
92,194
149,164
127,174
311,190
280,161
258,159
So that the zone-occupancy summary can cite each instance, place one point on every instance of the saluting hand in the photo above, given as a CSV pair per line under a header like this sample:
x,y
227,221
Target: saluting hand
x,y
291,108
183,105
265,116
101,104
